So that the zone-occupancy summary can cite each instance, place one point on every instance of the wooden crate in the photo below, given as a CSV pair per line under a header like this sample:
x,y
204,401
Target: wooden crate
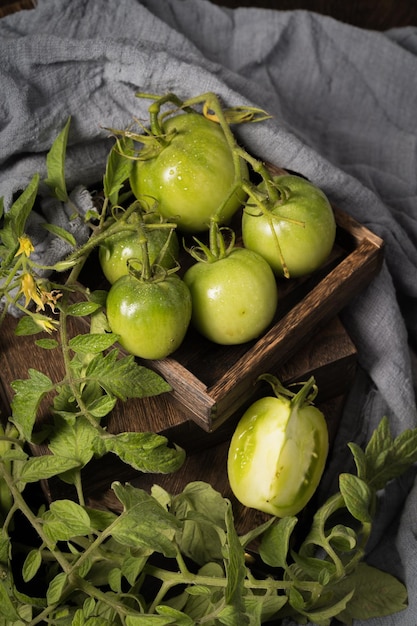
x,y
211,382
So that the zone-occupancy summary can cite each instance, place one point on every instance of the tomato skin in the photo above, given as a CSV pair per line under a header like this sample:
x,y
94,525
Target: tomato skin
x,y
234,298
191,176
151,317
116,250
304,246
273,466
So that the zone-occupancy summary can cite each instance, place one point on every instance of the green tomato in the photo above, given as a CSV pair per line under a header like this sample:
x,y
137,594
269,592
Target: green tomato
x,y
297,233
192,176
234,298
150,317
118,249
278,453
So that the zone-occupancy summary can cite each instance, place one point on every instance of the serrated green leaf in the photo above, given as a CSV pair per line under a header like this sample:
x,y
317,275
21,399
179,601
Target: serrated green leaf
x,y
377,594
46,466
180,619
381,439
144,523
204,532
99,296
63,234
230,616
25,403
73,440
326,614
31,564
387,458
275,542
55,164
100,519
47,344
146,452
198,590
235,570
81,309
314,568
115,580
132,567
15,219
358,497
8,609
118,168
360,460
56,588
101,406
74,515
125,378
92,343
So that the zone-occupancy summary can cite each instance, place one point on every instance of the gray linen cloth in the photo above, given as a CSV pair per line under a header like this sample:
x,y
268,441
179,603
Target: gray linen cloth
x,y
343,102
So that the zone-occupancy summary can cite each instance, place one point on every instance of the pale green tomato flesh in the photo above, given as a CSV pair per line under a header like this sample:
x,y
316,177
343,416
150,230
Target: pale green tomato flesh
x,y
304,246
233,302
270,471
190,179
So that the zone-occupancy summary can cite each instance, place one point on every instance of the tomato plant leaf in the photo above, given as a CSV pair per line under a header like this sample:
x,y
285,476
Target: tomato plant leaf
x,y
125,378
324,615
314,568
177,617
203,511
81,309
55,164
101,406
73,440
31,564
389,459
45,466
28,396
8,610
360,460
275,542
118,168
92,343
357,496
47,344
146,452
144,523
377,594
235,573
56,588
61,233
15,219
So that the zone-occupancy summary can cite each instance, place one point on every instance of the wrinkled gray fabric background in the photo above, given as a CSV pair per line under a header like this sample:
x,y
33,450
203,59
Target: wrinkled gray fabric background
x,y
343,102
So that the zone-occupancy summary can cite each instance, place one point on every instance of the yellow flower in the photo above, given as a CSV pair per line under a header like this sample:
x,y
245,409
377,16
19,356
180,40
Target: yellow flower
x,y
30,290
46,323
25,246
50,298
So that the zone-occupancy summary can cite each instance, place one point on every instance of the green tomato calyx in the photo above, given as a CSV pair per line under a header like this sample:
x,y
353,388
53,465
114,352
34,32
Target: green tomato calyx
x,y
218,248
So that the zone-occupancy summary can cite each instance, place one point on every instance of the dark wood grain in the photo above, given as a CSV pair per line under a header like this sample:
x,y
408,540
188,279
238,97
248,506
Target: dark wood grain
x,y
371,14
